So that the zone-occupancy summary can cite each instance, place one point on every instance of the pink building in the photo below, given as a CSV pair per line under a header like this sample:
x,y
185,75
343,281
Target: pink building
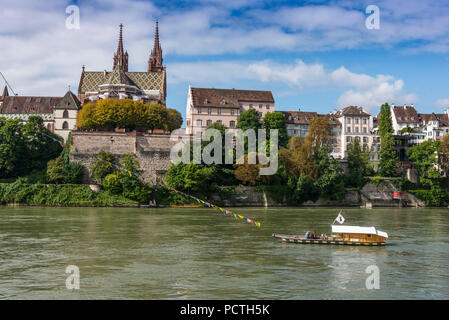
x,y
206,106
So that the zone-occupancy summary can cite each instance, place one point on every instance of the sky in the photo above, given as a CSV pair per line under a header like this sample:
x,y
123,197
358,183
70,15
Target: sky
x,y
313,55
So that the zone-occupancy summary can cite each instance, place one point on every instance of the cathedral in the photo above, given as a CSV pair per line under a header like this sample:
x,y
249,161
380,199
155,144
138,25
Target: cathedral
x,y
147,86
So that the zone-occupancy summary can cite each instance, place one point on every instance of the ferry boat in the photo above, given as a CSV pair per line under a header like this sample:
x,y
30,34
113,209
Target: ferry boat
x,y
341,235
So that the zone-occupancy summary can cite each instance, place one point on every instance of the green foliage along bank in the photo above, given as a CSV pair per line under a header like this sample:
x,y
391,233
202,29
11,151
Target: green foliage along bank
x,y
20,192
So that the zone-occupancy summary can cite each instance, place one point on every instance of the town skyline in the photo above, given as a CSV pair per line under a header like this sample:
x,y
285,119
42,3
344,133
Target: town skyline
x,y
332,73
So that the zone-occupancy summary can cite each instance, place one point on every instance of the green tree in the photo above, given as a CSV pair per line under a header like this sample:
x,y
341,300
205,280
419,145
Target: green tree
x,y
276,120
174,119
444,154
102,165
329,180
26,147
55,170
425,159
388,164
358,161
249,119
191,178
156,117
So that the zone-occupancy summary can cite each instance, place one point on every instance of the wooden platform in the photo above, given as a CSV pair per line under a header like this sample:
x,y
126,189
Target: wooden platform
x,y
330,240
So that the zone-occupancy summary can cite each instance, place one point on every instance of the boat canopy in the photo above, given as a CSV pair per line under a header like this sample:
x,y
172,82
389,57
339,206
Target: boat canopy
x,y
357,229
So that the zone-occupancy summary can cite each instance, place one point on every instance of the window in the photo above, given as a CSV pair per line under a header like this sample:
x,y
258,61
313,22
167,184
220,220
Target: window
x,y
65,114
232,112
348,129
65,125
356,129
232,124
357,139
48,100
356,121
364,121
260,114
199,123
219,121
208,122
364,130
199,110
348,139
260,106
240,105
188,122
38,99
365,139
219,111
28,99
209,111
348,120
268,106
250,105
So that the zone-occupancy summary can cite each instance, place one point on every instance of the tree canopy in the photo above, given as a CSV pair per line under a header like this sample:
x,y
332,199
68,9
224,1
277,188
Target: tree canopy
x,y
25,147
128,114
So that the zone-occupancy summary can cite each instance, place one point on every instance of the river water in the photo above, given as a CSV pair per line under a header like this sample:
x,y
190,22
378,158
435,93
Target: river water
x,y
130,253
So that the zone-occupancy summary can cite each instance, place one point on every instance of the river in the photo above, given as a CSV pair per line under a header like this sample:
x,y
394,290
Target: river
x,y
130,253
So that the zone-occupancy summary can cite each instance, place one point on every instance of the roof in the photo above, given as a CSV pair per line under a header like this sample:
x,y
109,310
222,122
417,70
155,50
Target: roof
x,y
299,117
357,229
69,101
302,117
443,118
208,97
353,111
29,104
405,114
91,80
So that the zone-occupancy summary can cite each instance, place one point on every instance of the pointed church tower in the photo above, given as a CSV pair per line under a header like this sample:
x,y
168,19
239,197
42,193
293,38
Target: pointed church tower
x,y
121,57
155,61
4,95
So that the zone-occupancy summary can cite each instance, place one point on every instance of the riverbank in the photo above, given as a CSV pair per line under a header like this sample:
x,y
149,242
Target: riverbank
x,y
19,193
63,195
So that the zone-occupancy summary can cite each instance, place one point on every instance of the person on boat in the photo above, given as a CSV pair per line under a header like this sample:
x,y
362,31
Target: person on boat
x,y
307,235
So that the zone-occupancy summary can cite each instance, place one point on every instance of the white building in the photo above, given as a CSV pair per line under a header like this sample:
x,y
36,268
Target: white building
x,y
357,124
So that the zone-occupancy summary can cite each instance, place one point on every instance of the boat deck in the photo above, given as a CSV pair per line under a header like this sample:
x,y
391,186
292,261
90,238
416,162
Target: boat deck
x,y
329,240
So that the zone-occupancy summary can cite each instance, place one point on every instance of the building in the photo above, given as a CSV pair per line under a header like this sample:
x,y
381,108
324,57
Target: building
x,y
148,86
422,126
403,117
59,113
65,113
206,106
434,126
357,124
298,122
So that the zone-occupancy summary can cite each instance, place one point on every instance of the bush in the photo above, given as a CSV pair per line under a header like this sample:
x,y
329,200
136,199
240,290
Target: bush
x,y
63,194
435,197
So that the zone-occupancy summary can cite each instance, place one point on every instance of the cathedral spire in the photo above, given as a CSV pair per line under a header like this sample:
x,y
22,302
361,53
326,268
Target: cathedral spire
x,y
121,57
155,61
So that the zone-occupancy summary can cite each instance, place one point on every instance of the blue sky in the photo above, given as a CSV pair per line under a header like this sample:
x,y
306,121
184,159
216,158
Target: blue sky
x,y
313,55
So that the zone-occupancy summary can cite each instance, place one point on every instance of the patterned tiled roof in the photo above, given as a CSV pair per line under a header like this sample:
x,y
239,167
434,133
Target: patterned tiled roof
x,y
69,101
209,97
90,80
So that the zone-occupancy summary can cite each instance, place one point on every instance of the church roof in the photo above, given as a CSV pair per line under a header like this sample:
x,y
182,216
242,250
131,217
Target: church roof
x,y
28,104
118,76
69,101
90,80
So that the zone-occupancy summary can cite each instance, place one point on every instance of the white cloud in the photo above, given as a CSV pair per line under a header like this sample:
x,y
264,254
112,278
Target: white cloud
x,y
442,103
357,89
